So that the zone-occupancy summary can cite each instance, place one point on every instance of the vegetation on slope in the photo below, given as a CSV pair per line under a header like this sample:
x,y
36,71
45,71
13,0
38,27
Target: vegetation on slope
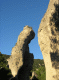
x,y
41,69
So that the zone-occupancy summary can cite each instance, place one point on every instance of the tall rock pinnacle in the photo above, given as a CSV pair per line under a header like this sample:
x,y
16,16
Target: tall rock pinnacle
x,y
48,39
21,61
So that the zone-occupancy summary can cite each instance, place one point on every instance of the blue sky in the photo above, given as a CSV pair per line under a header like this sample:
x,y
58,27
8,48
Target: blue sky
x,y
14,15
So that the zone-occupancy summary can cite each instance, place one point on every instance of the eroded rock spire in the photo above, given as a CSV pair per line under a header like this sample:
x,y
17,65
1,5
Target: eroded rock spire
x,y
21,61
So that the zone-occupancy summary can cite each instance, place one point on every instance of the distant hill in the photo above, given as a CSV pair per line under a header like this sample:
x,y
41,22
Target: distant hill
x,y
35,64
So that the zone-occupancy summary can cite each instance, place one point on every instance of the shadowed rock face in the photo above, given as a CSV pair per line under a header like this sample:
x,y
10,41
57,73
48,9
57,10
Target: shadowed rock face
x,y
48,39
21,61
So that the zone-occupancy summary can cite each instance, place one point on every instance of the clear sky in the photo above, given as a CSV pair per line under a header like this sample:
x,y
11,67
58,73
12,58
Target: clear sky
x,y
14,15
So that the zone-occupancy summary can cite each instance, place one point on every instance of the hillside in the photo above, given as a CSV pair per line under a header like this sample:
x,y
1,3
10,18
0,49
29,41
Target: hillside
x,y
3,63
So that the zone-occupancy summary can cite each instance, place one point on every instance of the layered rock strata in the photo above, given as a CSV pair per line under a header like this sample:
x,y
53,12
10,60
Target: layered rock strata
x,y
21,60
48,39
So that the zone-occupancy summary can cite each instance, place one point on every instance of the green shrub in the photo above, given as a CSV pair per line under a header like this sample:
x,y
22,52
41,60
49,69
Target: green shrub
x,y
41,73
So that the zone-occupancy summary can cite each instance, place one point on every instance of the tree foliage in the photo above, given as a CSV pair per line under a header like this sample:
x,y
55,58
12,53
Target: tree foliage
x,y
41,73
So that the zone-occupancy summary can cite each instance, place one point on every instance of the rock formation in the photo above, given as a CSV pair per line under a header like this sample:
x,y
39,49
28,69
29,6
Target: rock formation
x,y
48,39
21,61
34,76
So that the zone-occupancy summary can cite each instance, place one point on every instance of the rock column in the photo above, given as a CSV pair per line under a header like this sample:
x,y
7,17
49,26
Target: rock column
x,y
48,39
21,60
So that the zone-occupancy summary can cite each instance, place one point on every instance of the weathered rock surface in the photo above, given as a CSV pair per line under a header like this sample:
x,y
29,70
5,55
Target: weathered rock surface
x,y
21,61
48,39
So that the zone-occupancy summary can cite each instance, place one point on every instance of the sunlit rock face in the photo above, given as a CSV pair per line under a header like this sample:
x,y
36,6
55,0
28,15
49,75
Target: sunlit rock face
x,y
21,60
48,39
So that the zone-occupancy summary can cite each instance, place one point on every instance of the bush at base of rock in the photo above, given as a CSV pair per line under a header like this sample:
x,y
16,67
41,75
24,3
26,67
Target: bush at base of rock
x,y
4,74
41,73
